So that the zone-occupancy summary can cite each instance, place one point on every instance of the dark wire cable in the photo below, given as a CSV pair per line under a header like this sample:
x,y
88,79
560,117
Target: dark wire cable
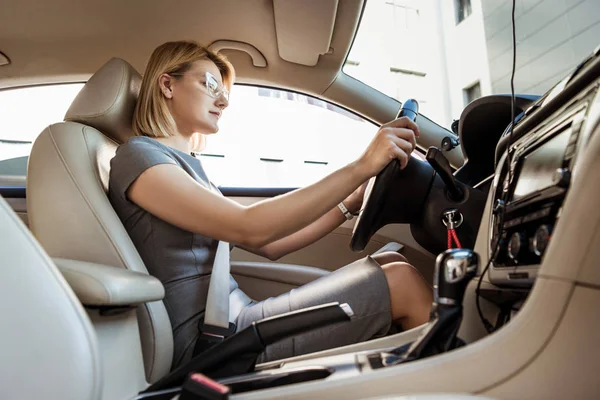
x,y
487,325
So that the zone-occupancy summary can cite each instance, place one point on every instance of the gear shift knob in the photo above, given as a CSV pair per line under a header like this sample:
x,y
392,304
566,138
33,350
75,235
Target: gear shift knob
x,y
454,269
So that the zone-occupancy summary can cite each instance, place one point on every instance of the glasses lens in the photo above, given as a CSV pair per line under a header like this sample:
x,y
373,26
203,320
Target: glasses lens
x,y
214,88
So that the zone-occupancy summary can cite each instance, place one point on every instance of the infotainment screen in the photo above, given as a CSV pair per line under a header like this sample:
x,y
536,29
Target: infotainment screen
x,y
538,167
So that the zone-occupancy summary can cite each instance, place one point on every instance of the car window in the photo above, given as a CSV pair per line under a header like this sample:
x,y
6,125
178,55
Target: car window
x,y
272,138
24,113
448,53
268,138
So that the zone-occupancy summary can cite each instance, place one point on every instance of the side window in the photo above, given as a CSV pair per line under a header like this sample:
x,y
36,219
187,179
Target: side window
x,y
273,138
24,113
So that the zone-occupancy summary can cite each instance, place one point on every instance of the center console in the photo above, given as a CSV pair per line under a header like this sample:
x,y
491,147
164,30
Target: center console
x,y
530,189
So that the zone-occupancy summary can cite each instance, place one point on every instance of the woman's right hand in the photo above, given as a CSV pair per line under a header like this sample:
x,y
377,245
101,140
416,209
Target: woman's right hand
x,y
396,139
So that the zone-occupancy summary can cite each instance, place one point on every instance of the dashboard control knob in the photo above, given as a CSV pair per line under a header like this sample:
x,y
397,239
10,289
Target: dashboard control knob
x,y
515,244
562,177
540,240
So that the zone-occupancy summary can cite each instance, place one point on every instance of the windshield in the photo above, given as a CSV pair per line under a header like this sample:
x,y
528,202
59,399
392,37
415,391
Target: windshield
x,y
447,53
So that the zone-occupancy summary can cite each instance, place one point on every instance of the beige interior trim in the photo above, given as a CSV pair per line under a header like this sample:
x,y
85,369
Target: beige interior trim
x,y
258,60
391,246
4,60
386,342
285,273
304,29
470,369
568,366
437,396
103,285
120,354
48,347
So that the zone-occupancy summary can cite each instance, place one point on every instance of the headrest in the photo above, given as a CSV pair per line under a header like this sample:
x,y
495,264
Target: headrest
x,y
107,100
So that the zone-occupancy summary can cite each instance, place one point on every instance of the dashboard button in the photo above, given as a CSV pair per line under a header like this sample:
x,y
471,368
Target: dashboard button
x,y
515,244
540,240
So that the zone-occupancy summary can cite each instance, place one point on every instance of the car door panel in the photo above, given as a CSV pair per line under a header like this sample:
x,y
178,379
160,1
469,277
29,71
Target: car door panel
x,y
333,251
261,280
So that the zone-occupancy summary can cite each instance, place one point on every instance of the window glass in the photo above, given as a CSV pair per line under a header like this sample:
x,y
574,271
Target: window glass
x,y
267,137
435,50
24,113
392,53
275,138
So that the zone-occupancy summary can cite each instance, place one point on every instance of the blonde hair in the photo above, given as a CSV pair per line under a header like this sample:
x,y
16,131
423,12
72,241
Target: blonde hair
x,y
151,116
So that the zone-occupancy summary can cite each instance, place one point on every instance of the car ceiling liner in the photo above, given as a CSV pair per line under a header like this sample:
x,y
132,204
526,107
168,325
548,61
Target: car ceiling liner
x,y
304,29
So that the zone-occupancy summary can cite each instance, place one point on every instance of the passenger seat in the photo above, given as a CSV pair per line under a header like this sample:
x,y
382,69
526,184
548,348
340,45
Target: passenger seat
x,y
48,346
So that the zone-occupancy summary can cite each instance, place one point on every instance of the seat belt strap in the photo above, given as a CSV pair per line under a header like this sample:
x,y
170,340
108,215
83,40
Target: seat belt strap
x,y
217,301
215,327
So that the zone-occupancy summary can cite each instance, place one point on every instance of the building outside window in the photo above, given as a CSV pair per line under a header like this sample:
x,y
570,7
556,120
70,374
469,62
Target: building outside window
x,y
462,10
471,93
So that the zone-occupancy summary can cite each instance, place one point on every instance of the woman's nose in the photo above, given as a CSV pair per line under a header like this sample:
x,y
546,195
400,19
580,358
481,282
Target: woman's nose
x,y
222,102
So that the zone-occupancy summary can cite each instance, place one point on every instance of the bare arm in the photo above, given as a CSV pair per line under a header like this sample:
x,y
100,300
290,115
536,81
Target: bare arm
x,y
298,240
169,193
315,231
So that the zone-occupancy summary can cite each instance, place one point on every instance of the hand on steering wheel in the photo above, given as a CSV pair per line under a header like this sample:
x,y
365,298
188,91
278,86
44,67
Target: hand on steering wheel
x,y
394,141
399,136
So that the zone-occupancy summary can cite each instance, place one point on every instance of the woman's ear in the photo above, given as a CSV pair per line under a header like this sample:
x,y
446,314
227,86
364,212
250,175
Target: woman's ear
x,y
165,81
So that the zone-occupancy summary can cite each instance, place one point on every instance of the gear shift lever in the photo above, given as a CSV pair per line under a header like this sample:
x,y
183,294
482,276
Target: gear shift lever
x,y
454,269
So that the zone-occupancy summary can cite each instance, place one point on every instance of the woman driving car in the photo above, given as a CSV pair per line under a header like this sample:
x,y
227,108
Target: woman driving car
x,y
176,216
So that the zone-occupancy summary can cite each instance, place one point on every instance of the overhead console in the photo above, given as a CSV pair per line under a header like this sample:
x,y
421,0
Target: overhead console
x,y
531,184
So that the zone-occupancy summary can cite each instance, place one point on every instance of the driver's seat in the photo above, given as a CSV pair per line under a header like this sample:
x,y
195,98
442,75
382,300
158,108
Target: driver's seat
x,y
68,208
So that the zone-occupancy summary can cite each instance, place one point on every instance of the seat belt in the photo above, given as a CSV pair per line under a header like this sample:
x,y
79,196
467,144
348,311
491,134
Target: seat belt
x,y
216,326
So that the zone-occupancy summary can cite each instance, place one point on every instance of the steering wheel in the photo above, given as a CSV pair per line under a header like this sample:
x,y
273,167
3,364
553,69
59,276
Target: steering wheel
x,y
394,195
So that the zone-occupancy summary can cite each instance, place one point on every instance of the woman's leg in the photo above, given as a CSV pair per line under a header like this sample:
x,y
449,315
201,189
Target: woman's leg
x,y
410,295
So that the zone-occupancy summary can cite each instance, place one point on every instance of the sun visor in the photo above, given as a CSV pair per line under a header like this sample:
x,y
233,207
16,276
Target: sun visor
x,y
304,29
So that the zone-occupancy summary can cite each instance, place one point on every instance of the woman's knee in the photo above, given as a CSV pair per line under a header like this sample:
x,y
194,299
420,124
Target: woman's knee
x,y
389,257
401,273
410,295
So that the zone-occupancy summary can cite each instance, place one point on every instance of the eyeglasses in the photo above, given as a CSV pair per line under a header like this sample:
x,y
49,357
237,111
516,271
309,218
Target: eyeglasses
x,y
213,87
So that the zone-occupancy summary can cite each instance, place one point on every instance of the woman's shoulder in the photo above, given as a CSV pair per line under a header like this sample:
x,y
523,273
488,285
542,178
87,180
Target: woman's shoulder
x,y
141,147
139,143
143,152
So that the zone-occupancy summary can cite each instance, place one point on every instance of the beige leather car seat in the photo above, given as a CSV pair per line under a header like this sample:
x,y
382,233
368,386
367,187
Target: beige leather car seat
x,y
67,182
47,344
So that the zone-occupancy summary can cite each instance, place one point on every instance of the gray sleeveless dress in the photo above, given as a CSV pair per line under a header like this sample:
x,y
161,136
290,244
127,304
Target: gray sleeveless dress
x,y
183,260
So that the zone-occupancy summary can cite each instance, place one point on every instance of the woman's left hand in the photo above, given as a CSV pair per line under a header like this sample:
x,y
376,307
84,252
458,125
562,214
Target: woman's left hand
x,y
354,202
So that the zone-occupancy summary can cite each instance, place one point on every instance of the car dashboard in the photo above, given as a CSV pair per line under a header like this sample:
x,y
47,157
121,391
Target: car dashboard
x,y
533,167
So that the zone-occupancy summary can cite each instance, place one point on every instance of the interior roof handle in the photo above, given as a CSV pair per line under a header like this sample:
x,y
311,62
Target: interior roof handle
x,y
258,60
